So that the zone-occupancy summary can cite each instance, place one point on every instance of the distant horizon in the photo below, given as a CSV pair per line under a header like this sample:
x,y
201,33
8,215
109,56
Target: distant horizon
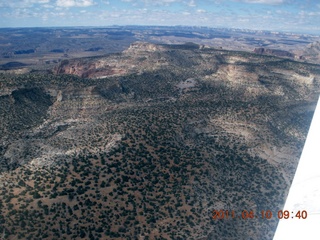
x,y
168,26
259,15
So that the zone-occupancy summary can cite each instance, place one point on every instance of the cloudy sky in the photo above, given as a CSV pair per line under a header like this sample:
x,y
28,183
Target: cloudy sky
x,y
285,15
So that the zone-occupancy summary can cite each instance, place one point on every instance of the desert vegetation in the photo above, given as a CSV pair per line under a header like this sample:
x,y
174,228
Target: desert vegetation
x,y
137,156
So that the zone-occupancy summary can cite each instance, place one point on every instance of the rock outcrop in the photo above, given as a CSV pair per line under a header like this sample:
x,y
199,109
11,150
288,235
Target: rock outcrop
x,y
274,52
312,53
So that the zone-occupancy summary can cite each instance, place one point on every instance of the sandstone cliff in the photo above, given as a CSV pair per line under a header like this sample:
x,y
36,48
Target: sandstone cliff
x,y
274,52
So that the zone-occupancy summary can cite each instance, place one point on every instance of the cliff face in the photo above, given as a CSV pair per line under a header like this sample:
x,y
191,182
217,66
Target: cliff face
x,y
274,52
96,69
139,55
158,137
312,53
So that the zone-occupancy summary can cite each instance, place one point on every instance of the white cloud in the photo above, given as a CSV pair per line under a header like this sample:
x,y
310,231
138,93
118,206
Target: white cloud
x,y
22,3
272,2
304,14
42,1
36,1
66,3
47,6
201,11
169,1
75,3
160,2
192,3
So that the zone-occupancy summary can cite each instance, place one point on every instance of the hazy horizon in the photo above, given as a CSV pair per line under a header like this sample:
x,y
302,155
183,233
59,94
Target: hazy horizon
x,y
272,15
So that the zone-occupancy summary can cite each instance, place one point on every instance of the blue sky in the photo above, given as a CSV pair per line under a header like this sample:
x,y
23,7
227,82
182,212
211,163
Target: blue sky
x,y
285,15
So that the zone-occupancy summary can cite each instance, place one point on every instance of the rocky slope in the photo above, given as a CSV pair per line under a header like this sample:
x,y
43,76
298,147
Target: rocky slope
x,y
312,52
146,143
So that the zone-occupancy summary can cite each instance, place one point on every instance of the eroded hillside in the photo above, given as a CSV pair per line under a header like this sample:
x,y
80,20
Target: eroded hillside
x,y
144,144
